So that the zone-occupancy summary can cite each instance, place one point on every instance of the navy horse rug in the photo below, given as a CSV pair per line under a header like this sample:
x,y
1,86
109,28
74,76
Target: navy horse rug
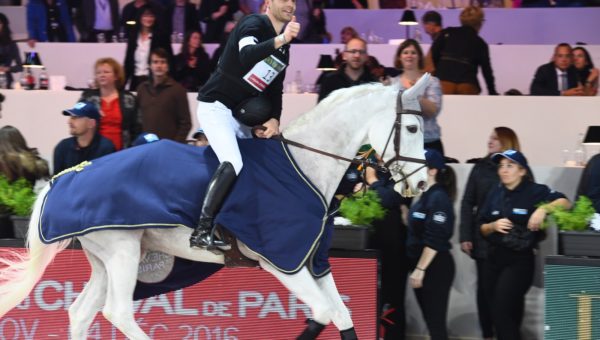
x,y
273,208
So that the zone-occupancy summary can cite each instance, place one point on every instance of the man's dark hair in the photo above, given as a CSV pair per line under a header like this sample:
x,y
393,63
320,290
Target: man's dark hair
x,y
160,52
1,98
562,45
432,16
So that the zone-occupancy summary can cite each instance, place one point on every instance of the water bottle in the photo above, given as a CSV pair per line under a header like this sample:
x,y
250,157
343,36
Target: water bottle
x,y
579,154
29,80
100,37
122,36
3,81
43,80
298,82
418,36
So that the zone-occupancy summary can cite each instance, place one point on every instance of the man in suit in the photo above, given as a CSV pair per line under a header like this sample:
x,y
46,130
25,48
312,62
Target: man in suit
x,y
558,77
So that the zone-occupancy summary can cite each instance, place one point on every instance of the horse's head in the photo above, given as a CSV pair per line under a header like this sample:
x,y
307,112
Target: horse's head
x,y
402,144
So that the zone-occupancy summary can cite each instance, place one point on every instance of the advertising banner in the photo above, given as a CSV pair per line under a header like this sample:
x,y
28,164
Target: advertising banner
x,y
232,304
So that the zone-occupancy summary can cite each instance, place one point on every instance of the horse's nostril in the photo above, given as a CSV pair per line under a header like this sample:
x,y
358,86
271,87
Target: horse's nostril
x,y
422,185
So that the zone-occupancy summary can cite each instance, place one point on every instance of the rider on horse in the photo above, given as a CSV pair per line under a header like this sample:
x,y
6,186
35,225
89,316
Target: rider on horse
x,y
247,85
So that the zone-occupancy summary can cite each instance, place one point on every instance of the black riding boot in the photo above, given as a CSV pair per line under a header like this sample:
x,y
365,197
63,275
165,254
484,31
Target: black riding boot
x,y
349,334
218,189
312,330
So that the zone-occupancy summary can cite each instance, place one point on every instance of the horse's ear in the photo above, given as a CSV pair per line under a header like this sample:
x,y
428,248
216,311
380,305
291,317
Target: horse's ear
x,y
410,97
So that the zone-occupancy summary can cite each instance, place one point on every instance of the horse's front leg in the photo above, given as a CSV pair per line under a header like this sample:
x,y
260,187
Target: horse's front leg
x,y
306,289
340,316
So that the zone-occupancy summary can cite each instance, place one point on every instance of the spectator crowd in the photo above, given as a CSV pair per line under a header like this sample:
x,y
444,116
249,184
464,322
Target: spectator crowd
x,y
501,197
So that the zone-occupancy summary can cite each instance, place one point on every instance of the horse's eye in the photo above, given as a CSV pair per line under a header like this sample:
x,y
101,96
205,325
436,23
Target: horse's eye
x,y
412,128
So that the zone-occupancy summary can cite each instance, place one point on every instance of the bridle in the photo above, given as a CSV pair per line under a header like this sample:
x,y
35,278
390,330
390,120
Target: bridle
x,y
392,165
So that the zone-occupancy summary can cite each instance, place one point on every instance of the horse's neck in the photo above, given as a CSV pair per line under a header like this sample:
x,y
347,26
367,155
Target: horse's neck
x,y
333,133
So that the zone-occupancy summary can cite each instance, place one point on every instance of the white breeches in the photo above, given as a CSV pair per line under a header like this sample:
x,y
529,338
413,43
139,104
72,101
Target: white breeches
x,y
222,131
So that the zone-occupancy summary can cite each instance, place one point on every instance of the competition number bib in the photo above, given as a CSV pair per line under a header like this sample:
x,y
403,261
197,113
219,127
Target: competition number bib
x,y
263,73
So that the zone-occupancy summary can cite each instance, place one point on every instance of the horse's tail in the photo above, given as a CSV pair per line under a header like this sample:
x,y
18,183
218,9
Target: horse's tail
x,y
19,272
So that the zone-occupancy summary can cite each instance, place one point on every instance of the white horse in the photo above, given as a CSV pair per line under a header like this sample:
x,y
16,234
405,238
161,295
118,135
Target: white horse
x,y
343,122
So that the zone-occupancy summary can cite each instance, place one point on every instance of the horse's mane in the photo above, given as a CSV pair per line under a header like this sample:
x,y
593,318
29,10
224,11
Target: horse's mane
x,y
334,100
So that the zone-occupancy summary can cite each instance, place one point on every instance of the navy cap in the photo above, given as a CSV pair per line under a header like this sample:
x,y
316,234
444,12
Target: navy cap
x,y
513,155
434,159
198,133
145,138
83,109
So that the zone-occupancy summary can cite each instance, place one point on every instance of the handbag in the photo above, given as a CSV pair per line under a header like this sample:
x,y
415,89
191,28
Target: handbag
x,y
519,238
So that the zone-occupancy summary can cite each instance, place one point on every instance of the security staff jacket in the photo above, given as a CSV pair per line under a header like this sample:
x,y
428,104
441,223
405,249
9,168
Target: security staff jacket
x,y
227,85
431,222
517,205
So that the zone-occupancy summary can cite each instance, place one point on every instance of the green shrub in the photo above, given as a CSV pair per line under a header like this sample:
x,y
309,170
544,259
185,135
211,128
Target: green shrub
x,y
575,219
362,209
16,198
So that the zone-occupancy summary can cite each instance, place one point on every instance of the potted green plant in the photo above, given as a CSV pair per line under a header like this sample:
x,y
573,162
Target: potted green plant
x,y
575,238
16,200
360,209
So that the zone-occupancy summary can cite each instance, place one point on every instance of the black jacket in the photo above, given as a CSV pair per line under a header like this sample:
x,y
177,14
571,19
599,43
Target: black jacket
x,y
545,81
589,184
191,19
457,54
517,205
67,152
192,78
483,177
87,18
338,80
227,84
159,39
131,125
430,222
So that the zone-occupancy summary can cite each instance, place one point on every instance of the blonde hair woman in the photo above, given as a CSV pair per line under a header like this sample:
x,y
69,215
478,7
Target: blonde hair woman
x,y
118,108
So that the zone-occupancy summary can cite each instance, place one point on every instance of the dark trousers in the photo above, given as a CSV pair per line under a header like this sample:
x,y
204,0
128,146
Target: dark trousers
x,y
390,237
484,310
433,296
507,278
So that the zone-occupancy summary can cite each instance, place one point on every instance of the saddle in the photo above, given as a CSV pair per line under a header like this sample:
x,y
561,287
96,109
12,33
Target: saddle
x,y
234,257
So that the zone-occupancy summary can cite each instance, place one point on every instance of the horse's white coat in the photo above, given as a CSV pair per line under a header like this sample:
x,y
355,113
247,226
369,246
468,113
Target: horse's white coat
x,y
341,124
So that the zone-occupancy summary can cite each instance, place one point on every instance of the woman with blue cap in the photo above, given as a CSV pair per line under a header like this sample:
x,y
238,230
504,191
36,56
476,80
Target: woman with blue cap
x,y
482,179
510,219
430,227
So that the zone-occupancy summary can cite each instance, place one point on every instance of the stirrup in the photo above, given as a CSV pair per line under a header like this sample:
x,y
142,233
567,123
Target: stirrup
x,y
203,238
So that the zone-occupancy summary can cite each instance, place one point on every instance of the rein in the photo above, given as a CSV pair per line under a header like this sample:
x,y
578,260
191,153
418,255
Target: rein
x,y
396,132
363,162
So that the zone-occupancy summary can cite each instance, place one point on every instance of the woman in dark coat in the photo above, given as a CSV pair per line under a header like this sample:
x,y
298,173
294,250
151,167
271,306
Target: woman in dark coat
x,y
192,65
146,37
